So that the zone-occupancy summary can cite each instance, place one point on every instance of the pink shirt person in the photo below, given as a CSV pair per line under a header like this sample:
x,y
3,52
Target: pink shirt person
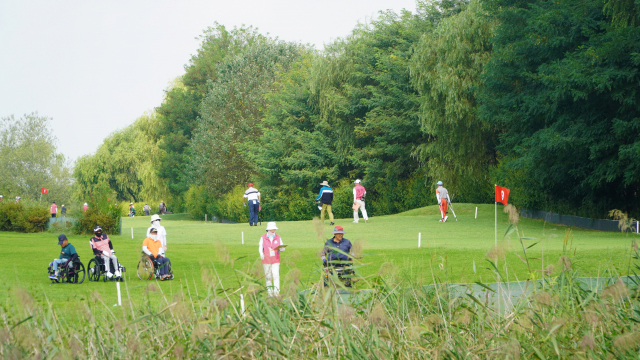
x,y
269,249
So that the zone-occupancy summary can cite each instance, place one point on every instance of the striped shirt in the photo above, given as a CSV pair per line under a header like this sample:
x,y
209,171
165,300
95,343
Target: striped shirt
x,y
252,194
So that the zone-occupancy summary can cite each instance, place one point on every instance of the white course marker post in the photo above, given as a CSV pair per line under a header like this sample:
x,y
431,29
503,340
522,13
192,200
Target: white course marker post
x,y
419,239
205,217
637,227
476,212
242,304
243,238
119,297
496,203
132,233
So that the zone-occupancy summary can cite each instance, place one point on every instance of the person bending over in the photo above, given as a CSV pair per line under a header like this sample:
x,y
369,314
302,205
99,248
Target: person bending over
x,y
153,248
101,245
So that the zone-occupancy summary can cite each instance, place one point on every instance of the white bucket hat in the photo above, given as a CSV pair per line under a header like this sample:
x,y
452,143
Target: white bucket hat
x,y
155,217
271,226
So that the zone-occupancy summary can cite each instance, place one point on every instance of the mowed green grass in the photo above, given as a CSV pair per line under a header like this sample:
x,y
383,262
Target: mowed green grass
x,y
448,252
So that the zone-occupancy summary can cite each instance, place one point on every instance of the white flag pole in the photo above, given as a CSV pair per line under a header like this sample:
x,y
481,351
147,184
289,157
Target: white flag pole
x,y
496,206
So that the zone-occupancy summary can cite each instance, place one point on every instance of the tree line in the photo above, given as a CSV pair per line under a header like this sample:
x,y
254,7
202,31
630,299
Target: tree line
x,y
538,96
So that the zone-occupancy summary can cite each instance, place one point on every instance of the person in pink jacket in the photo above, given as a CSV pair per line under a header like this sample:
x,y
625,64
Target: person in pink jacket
x,y
269,248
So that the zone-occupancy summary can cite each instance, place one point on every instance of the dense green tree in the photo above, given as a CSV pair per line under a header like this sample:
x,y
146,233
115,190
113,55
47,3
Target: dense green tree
x,y
126,162
180,109
562,86
446,67
232,110
29,160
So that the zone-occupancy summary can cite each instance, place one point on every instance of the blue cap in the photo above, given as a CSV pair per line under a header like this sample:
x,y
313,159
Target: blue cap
x,y
439,182
61,238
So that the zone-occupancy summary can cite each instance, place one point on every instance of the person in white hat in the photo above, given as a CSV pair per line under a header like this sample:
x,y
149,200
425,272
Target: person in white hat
x,y
443,199
358,201
269,248
161,232
85,207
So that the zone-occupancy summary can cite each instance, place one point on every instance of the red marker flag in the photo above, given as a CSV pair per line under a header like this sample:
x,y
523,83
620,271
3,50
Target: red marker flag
x,y
44,191
502,195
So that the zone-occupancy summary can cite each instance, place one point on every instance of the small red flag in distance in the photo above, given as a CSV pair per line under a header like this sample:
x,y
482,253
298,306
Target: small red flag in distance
x,y
45,191
502,195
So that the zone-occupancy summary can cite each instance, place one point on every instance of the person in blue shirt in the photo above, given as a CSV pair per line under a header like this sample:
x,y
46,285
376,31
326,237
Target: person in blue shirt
x,y
331,258
325,198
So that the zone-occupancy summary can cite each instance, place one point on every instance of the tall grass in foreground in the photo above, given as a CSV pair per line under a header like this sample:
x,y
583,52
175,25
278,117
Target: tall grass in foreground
x,y
555,317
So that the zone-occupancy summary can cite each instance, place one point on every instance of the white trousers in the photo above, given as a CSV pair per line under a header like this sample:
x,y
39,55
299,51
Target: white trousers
x,y
364,211
107,263
272,275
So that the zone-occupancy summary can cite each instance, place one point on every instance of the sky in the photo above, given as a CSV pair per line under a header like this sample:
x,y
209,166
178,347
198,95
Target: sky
x,y
94,67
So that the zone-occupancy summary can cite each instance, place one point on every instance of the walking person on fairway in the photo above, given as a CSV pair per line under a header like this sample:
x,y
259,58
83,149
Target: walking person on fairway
x,y
358,202
269,248
160,231
253,197
325,198
85,207
146,209
443,199
54,210
63,211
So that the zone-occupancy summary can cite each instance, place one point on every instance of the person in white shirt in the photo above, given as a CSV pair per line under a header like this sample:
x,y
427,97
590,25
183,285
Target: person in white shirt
x,y
162,233
358,202
253,196
269,248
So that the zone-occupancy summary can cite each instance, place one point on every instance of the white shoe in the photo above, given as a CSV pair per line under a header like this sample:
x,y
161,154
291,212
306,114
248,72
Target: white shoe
x,y
355,222
109,275
118,273
445,218
440,220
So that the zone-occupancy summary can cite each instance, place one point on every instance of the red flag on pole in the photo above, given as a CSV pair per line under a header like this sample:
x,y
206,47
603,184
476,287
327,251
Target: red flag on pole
x,y
44,191
502,195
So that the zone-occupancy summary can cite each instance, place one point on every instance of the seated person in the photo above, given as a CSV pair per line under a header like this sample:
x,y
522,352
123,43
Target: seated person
x,y
68,253
101,245
337,242
152,246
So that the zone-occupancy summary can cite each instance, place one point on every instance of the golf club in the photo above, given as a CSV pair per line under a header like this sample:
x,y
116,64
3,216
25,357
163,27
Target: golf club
x,y
453,212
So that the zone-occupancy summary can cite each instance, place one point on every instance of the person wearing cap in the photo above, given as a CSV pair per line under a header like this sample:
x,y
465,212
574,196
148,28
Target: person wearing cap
x,y
85,207
101,245
358,202
443,198
325,198
162,233
146,209
68,253
253,197
132,210
336,251
63,211
1,197
17,199
269,247
53,209
152,247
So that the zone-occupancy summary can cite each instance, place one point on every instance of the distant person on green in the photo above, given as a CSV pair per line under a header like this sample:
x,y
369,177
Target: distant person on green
x,y
63,211
54,209
146,209
67,254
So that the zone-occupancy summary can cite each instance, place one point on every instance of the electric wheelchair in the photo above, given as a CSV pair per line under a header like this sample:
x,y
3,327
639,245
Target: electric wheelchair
x,y
149,268
71,271
97,269
344,271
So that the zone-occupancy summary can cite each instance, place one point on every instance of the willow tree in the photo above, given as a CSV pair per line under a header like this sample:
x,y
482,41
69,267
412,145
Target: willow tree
x,y
447,67
127,162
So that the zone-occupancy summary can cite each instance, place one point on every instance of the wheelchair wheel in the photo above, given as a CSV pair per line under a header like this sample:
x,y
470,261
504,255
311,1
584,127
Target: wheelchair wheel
x,y
94,270
145,269
75,274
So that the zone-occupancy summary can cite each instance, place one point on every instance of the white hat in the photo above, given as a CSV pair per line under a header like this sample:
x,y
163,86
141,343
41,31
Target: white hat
x,y
155,217
271,226
357,181
85,204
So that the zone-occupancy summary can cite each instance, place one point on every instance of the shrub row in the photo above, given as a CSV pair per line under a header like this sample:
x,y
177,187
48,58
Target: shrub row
x,y
23,217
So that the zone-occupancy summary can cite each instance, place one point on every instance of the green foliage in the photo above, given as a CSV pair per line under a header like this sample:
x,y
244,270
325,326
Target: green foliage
x,y
25,216
232,110
179,112
446,67
126,162
103,210
29,160
562,86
